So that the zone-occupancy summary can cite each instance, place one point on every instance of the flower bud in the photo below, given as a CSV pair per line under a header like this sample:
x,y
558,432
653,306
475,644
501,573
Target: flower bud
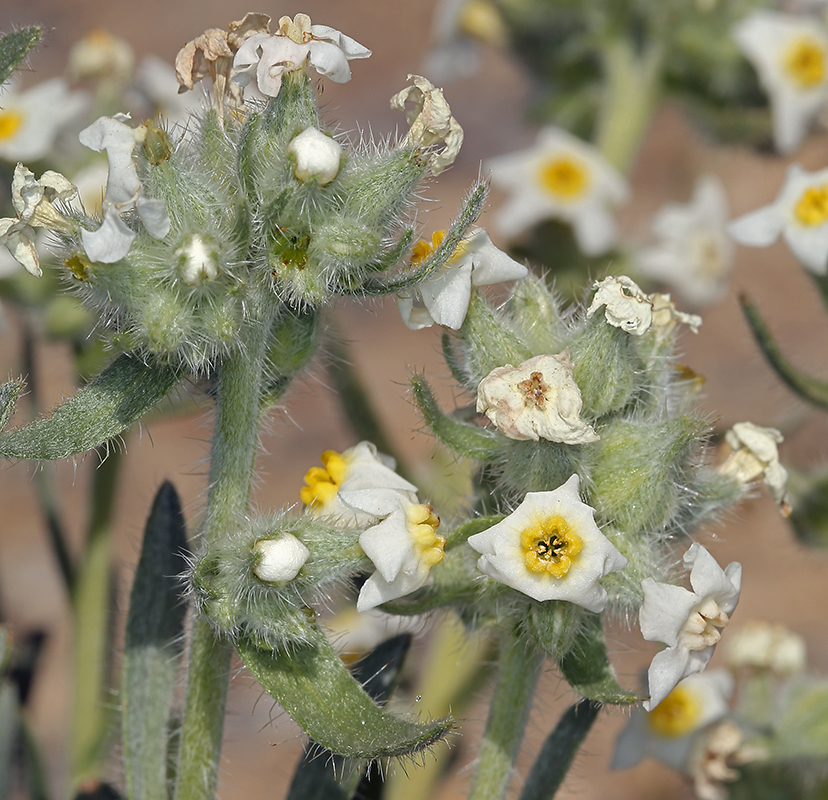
x,y
197,260
281,559
317,156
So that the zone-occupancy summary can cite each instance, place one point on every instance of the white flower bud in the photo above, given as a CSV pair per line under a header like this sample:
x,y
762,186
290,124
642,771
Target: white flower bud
x,y
317,156
197,261
281,559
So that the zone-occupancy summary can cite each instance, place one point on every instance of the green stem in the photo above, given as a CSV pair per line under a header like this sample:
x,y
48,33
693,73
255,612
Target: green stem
x,y
511,703
233,456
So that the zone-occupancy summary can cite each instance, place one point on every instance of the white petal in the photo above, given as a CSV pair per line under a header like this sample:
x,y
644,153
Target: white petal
x,y
759,228
317,156
810,246
447,292
118,140
153,214
388,544
349,46
666,669
328,60
490,264
664,611
111,242
708,579
376,590
595,230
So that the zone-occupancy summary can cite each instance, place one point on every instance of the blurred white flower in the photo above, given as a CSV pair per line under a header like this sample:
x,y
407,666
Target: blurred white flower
x,y
694,254
790,54
317,156
799,214
266,57
280,559
765,646
560,177
666,732
666,317
688,622
30,121
625,305
443,297
715,754
538,399
403,545
157,91
101,56
550,549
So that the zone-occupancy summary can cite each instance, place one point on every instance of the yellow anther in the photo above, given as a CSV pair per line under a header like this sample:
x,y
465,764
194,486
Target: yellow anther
x,y
323,484
550,547
564,177
805,62
812,208
422,250
423,524
10,122
677,714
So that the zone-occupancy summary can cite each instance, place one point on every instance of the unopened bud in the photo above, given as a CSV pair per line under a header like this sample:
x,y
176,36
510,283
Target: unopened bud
x,y
317,156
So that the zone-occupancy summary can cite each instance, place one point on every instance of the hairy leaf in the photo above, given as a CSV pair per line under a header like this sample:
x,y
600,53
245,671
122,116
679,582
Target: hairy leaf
x,y
15,46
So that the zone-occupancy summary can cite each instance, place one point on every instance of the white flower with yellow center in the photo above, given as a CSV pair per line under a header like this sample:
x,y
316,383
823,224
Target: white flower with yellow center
x,y
667,732
625,305
538,399
756,456
561,177
279,560
550,549
124,191
430,122
799,214
404,545
688,622
30,121
359,467
443,297
693,254
790,54
297,43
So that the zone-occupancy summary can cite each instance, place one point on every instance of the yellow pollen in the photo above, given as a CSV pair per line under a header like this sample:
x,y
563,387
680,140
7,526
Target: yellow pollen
x,y
677,714
323,484
423,250
812,208
805,62
564,177
10,122
550,547
422,525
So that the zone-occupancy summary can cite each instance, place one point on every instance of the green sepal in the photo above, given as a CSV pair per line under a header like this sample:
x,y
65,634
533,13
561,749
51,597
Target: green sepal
x,y
587,669
466,439
315,688
392,257
460,535
125,391
459,229
316,776
154,639
15,46
454,360
811,389
9,395
559,750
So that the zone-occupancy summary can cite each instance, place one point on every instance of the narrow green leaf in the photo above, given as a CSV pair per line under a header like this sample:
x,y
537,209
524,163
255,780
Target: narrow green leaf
x,y
319,693
466,439
810,389
9,737
559,750
15,46
33,764
9,395
119,396
321,775
153,647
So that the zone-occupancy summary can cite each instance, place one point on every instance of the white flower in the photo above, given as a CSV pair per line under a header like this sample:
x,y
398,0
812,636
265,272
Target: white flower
x,y
627,307
766,646
30,121
688,622
404,545
666,732
430,122
715,755
755,456
268,56
101,56
561,177
158,92
694,254
279,559
550,549
33,201
790,54
537,400
197,260
111,242
317,156
359,467
443,297
666,317
799,214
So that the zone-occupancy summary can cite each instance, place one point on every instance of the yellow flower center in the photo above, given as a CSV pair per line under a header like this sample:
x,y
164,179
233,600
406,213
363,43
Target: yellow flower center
x,y
422,525
805,62
323,484
481,20
10,122
564,177
423,250
677,714
812,208
550,547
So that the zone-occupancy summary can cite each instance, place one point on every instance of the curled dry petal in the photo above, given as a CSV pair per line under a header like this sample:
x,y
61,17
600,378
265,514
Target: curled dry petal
x,y
626,306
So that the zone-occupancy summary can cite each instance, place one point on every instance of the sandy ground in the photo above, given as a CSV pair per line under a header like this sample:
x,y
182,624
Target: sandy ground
x,y
783,582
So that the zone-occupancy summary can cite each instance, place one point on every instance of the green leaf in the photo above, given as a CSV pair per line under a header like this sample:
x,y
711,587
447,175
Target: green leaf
x,y
316,775
466,439
119,396
9,394
559,750
9,736
321,696
15,46
153,646
461,533
810,389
